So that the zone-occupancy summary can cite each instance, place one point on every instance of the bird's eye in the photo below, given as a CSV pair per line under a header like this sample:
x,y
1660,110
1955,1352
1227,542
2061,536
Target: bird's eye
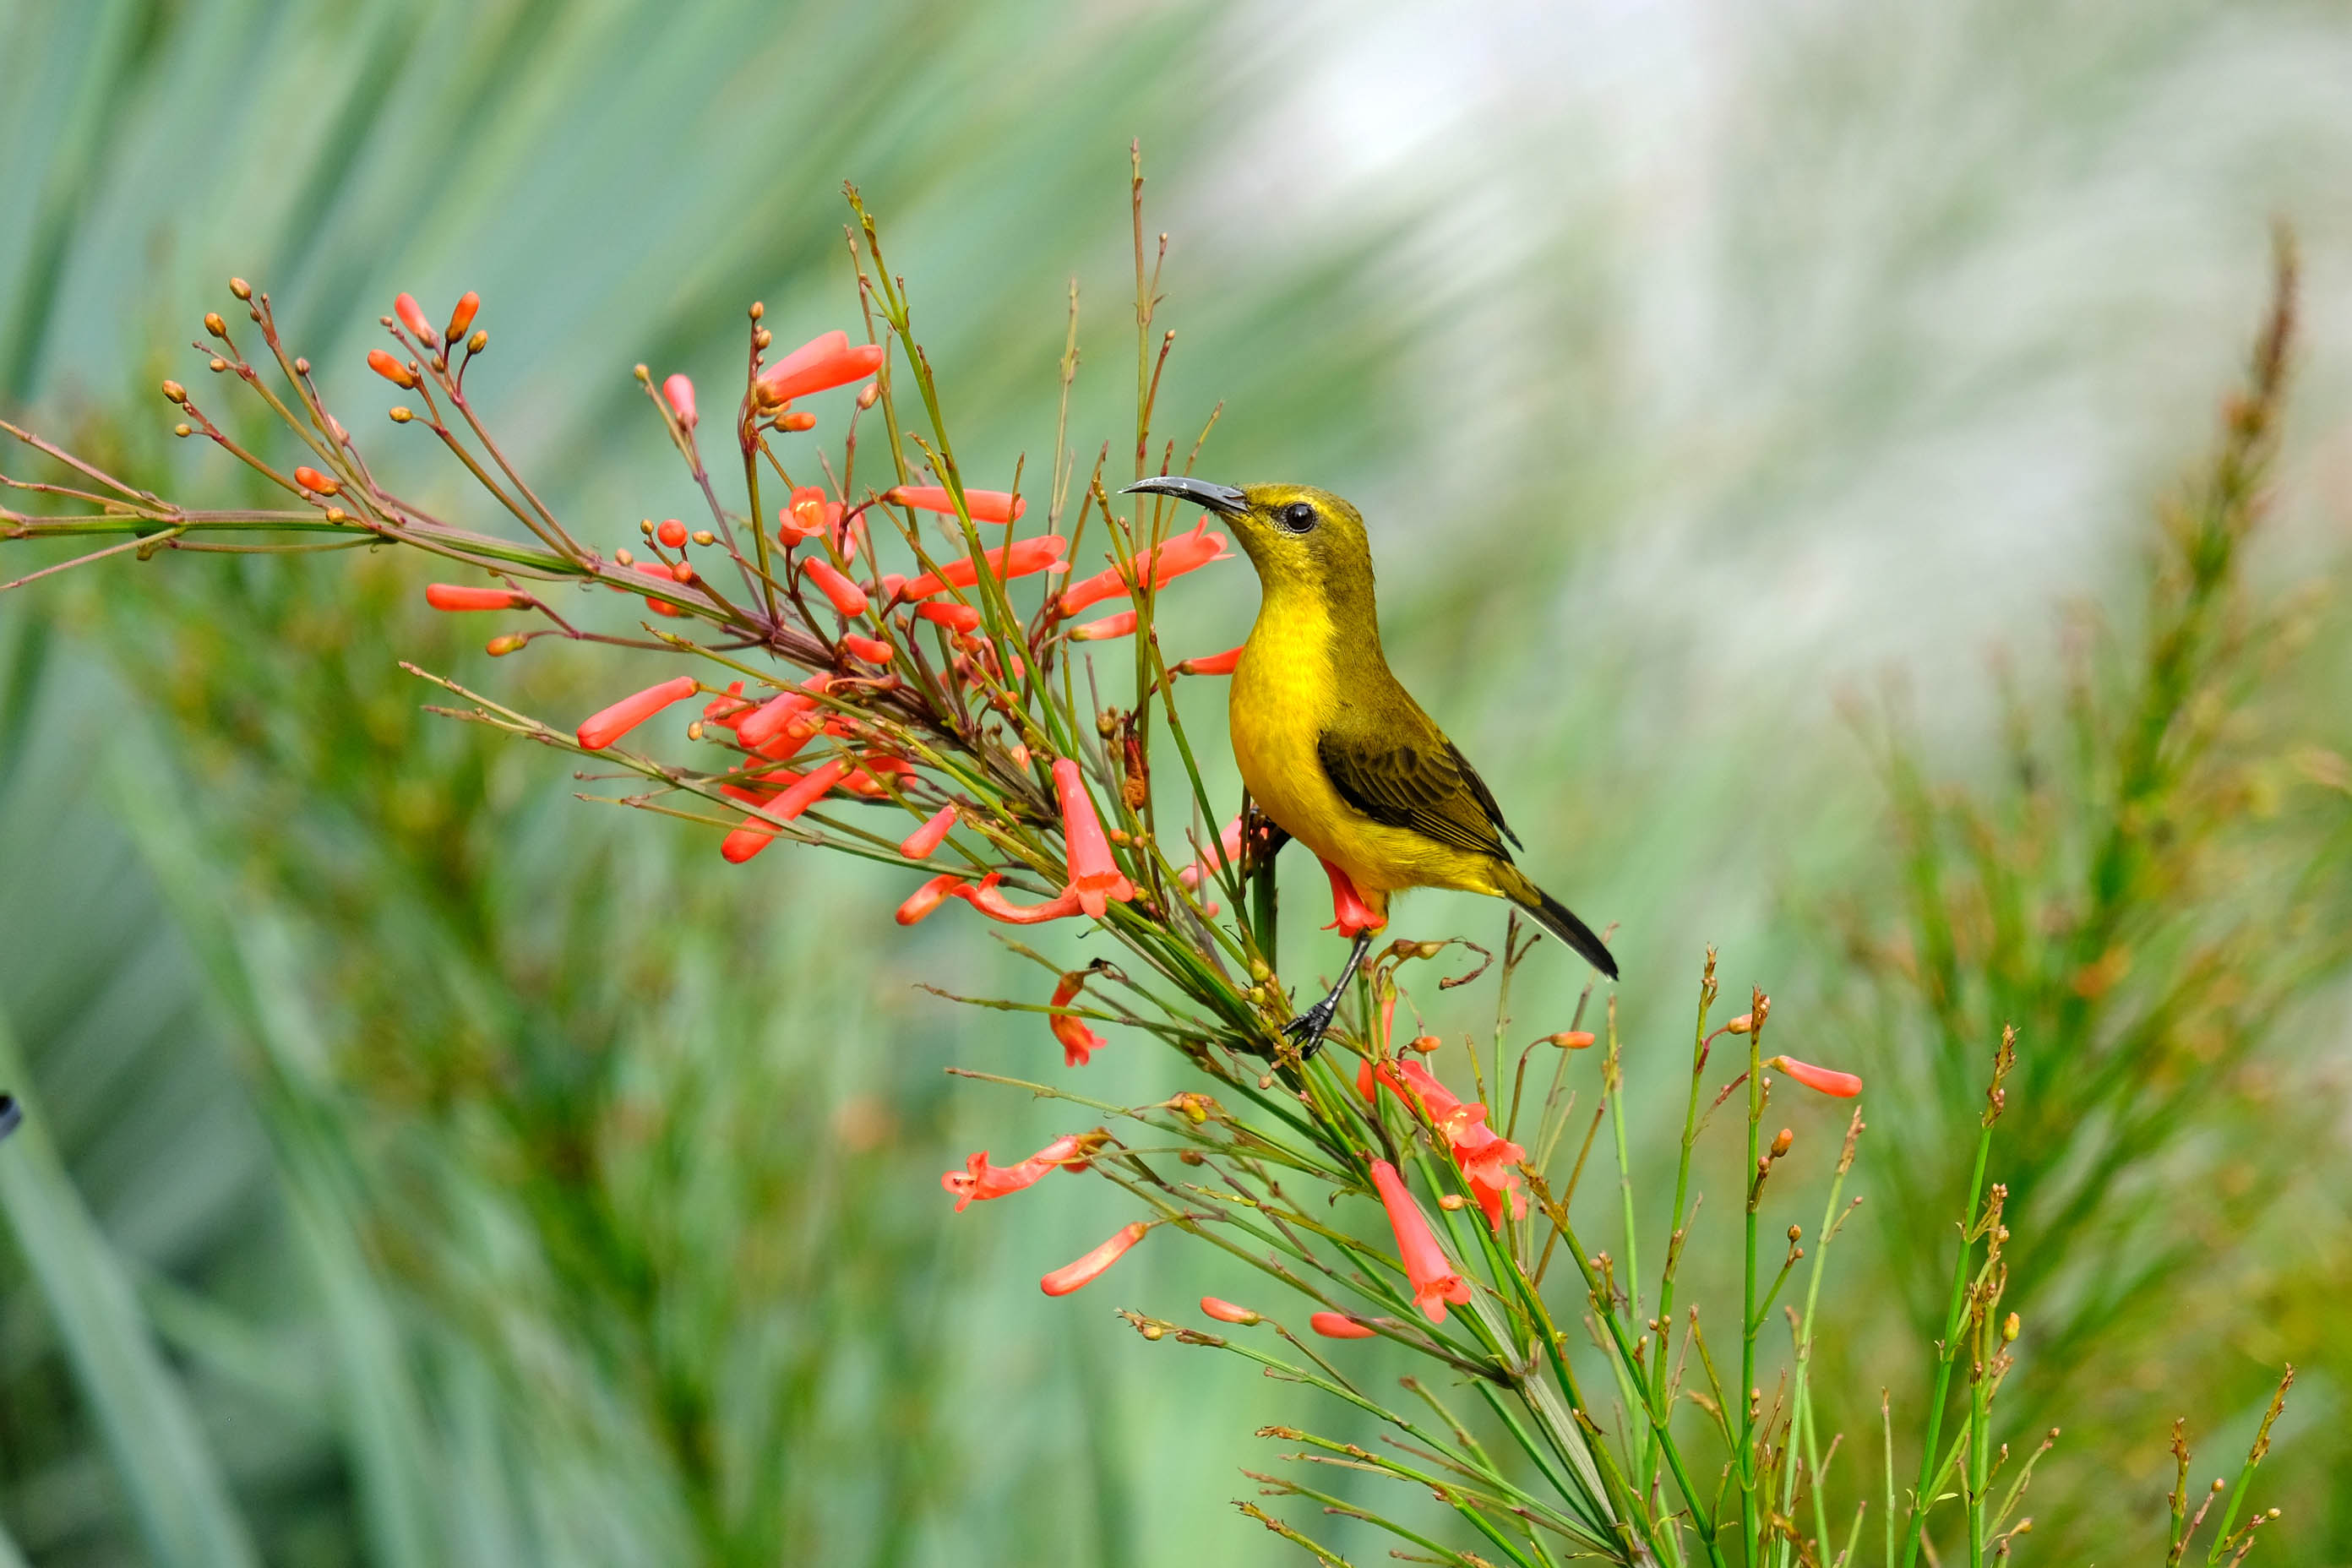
x,y
1298,516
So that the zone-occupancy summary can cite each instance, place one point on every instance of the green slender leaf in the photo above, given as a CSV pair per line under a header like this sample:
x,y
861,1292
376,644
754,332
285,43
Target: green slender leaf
x,y
167,1469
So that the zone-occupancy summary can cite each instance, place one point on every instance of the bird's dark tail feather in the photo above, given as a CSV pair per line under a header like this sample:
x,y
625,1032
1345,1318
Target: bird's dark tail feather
x,y
1561,921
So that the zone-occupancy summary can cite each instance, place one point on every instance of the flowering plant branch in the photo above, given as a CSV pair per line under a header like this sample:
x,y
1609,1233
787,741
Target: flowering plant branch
x,y
890,669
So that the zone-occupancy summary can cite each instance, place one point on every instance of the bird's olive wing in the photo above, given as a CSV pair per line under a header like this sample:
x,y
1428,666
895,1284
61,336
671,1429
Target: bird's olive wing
x,y
1422,785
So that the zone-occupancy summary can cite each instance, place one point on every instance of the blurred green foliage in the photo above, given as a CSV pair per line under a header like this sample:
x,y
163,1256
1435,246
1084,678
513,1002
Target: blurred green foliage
x,y
424,1167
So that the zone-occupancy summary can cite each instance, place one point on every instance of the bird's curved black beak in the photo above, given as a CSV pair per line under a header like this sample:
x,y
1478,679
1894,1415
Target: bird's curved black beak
x,y
1222,499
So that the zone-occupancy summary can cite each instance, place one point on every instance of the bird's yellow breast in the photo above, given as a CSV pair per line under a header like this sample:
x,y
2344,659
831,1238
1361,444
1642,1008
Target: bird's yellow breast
x,y
1286,690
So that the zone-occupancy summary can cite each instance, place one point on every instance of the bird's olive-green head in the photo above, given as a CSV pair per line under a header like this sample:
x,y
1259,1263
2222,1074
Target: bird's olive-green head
x,y
1299,538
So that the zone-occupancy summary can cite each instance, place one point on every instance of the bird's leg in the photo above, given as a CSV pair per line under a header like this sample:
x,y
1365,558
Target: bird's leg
x,y
1317,1020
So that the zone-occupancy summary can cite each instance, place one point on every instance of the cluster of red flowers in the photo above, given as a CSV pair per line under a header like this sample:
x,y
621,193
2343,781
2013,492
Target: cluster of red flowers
x,y
1488,1161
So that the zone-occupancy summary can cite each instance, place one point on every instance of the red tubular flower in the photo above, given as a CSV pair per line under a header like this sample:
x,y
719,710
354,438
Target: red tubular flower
x,y
727,707
979,1181
1212,664
985,506
1226,1312
1222,853
603,728
412,316
769,718
955,617
846,596
1822,1080
1095,877
391,369
458,597
1489,1159
1337,1326
929,897
317,483
1069,1277
1080,1043
1018,559
997,907
1350,913
755,835
678,392
1174,558
1426,1266
462,318
812,788
873,650
1118,625
920,844
820,362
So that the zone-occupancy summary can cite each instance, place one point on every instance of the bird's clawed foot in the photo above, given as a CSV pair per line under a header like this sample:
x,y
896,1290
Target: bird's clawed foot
x,y
1310,1027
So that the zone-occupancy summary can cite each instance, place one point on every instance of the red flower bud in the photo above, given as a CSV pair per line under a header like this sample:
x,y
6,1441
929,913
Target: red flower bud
x,y
412,316
504,644
671,532
818,364
848,597
797,422
873,650
1118,625
1023,556
457,596
608,726
1822,1080
985,506
1226,1312
311,480
1071,1275
678,392
1212,664
766,721
1174,558
919,844
462,318
1571,1039
391,369
1095,877
1227,849
1335,1326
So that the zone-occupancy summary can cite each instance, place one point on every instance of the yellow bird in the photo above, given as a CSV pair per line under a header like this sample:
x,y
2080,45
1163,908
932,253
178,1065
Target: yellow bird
x,y
1332,748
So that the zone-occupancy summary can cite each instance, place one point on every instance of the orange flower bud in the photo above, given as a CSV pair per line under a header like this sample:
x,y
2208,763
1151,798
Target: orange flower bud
x,y
1226,1312
391,369
462,317
240,288
1821,1080
955,617
1185,552
671,532
1071,1275
1785,1140
985,506
1212,664
1741,1025
1337,1326
1571,1039
822,362
214,325
927,897
1018,559
311,480
873,650
605,728
412,316
1118,625
458,597
920,844
848,597
796,422
499,647
174,393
